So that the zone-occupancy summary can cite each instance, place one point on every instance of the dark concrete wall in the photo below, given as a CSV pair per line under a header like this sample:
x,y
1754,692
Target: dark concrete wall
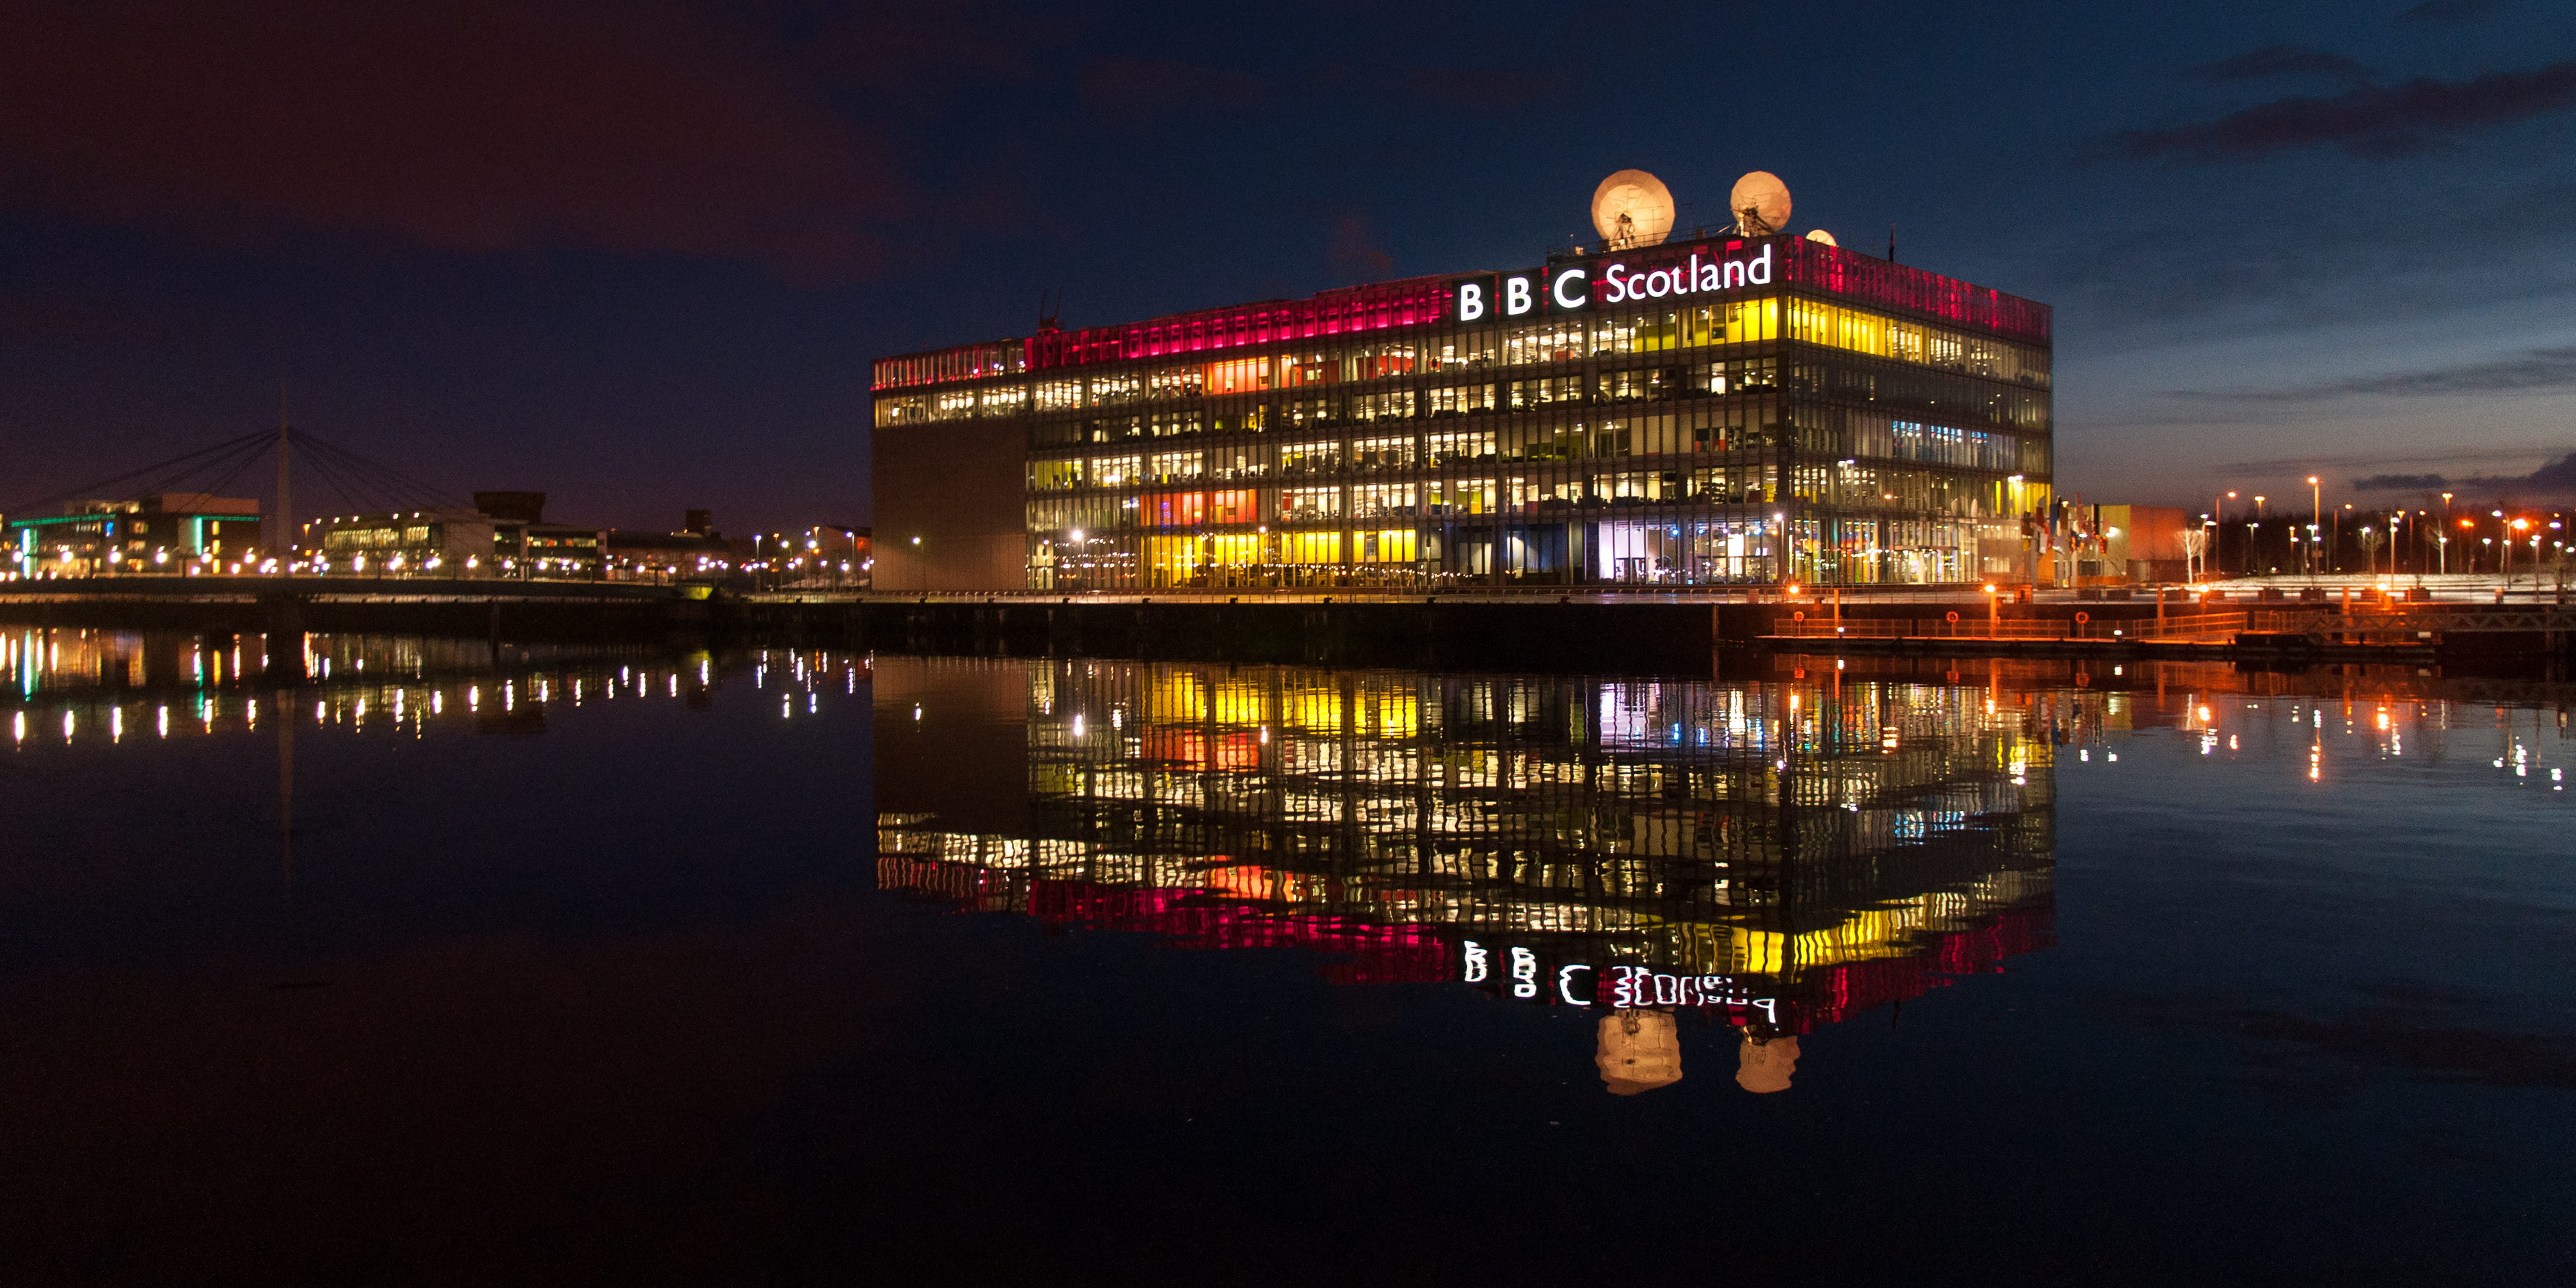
x,y
1653,637
1532,634
956,486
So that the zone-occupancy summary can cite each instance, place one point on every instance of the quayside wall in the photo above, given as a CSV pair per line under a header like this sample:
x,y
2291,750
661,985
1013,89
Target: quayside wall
x,y
1644,635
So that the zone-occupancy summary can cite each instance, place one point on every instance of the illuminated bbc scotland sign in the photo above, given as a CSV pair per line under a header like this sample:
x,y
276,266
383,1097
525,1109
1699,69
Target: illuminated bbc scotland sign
x,y
1519,972
1572,288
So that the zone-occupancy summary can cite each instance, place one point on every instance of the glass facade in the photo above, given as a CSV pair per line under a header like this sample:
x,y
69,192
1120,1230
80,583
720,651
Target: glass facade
x,y
1830,419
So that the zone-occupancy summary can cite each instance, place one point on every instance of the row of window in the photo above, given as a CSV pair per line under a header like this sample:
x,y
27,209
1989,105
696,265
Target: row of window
x,y
1844,550
1846,485
1895,390
1839,431
1559,339
339,539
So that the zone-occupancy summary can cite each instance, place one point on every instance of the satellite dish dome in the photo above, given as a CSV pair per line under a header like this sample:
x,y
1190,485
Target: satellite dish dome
x,y
1638,1051
1766,1067
1820,235
1760,203
1632,208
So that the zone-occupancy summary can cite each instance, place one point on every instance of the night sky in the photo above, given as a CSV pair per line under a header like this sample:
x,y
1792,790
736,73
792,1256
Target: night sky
x,y
639,256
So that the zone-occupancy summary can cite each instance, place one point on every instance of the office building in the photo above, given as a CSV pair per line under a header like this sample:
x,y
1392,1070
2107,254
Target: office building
x,y
1717,410
166,532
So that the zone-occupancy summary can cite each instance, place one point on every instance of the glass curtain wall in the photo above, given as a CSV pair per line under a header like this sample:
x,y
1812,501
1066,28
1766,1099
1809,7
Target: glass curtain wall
x,y
1743,442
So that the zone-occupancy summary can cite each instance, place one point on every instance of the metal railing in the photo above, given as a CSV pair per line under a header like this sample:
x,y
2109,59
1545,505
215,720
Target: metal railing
x,y
1967,628
2190,626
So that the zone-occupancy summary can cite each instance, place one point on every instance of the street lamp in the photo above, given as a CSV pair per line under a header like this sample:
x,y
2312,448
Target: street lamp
x,y
2221,522
2258,522
2316,520
2446,527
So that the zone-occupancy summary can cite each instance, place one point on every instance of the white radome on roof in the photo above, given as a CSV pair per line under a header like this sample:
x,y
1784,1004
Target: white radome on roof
x,y
1632,208
1760,204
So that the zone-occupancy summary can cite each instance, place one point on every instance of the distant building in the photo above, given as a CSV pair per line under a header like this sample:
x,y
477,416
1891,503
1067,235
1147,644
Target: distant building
x,y
165,532
528,546
449,543
2128,544
505,535
521,507
834,555
697,552
553,551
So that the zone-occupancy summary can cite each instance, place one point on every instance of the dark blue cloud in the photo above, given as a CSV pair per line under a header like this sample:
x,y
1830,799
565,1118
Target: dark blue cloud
x,y
2366,121
2281,60
2557,478
2448,11
2531,371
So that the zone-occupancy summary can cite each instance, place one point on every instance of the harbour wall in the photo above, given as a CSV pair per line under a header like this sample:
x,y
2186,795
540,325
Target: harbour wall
x,y
1433,632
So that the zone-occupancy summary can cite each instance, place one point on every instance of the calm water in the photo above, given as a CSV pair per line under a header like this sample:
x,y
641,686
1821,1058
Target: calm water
x,y
788,967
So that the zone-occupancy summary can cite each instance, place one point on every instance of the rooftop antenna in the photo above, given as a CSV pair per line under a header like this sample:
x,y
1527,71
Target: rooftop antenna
x,y
1051,321
1632,209
1761,204
1891,243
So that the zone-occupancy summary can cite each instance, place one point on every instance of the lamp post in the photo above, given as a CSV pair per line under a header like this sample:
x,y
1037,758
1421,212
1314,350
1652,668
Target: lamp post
x,y
2316,520
2221,508
2446,529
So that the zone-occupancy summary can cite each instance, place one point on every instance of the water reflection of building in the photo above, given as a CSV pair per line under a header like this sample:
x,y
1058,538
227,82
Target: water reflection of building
x,y
82,686
1782,854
